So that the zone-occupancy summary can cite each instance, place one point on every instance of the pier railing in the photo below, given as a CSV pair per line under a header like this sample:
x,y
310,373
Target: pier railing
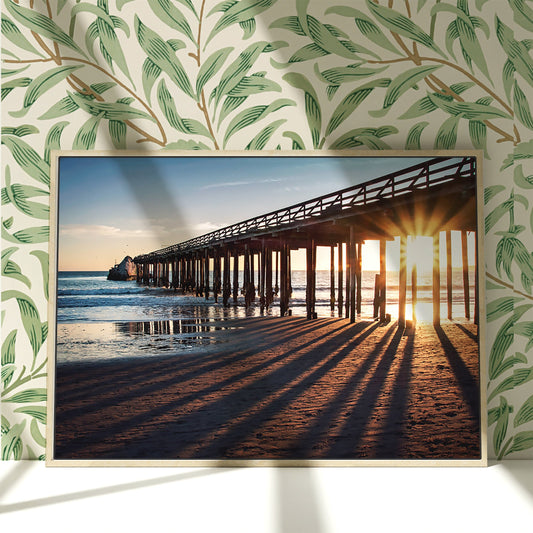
x,y
336,205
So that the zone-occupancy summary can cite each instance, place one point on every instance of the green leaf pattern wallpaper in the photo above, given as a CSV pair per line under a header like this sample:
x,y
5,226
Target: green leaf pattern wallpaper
x,y
267,74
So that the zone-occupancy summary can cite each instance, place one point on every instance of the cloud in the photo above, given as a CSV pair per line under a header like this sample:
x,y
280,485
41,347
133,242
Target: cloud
x,y
237,183
96,230
206,227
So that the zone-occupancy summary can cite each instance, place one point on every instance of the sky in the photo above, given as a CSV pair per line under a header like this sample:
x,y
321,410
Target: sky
x,y
110,207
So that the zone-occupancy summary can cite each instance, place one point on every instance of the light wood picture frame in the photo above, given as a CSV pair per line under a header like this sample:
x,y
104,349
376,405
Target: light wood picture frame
x,y
283,309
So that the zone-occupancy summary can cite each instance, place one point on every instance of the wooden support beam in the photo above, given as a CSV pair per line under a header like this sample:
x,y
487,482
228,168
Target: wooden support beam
x,y
436,279
449,280
269,290
476,282
402,295
276,287
340,268
466,281
353,266
348,281
358,277
414,290
310,286
226,284
382,279
206,272
284,275
252,274
262,274
235,276
332,278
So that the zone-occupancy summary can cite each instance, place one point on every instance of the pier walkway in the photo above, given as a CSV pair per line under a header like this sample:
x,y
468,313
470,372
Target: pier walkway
x,y
438,195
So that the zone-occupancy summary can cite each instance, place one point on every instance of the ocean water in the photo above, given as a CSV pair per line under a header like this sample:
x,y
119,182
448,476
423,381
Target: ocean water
x,y
101,320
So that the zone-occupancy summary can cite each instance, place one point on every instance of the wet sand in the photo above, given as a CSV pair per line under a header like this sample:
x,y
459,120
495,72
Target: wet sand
x,y
282,388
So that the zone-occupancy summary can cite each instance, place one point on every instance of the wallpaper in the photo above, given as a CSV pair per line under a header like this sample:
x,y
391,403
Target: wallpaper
x,y
267,74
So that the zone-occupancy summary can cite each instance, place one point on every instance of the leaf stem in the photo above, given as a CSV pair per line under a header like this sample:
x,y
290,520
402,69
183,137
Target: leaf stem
x,y
147,136
507,285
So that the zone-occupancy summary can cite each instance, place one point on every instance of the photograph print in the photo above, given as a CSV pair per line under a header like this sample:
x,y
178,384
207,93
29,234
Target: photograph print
x,y
273,308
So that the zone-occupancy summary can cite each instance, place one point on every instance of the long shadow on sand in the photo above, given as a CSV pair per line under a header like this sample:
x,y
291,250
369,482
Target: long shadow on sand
x,y
68,444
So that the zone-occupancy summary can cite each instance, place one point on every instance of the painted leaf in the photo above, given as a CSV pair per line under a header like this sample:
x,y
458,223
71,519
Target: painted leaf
x,y
312,105
324,38
254,114
186,145
363,136
523,440
36,434
262,138
468,110
522,108
503,342
516,51
41,85
168,107
230,104
111,43
210,67
44,262
491,192
109,110
478,135
162,55
413,137
290,23
86,136
523,14
241,11
254,84
8,348
307,53
526,330
501,306
28,159
9,85
11,269
30,320
42,25
400,24
11,441
366,26
65,106
401,84
525,413
27,396
18,195
168,13
36,411
501,426
352,101
297,141
11,32
519,377
150,73
53,139
117,132
524,182
238,69
339,75
20,131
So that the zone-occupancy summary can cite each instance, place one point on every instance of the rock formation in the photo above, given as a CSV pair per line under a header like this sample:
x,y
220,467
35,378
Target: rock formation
x,y
125,271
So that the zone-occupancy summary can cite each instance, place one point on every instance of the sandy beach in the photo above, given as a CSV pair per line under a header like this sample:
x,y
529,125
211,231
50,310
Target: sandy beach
x,y
281,388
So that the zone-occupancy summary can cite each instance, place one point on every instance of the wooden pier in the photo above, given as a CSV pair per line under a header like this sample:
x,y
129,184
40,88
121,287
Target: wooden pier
x,y
438,195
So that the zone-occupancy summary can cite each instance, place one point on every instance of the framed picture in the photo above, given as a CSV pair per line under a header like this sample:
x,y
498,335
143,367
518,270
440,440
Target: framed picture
x,y
267,308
